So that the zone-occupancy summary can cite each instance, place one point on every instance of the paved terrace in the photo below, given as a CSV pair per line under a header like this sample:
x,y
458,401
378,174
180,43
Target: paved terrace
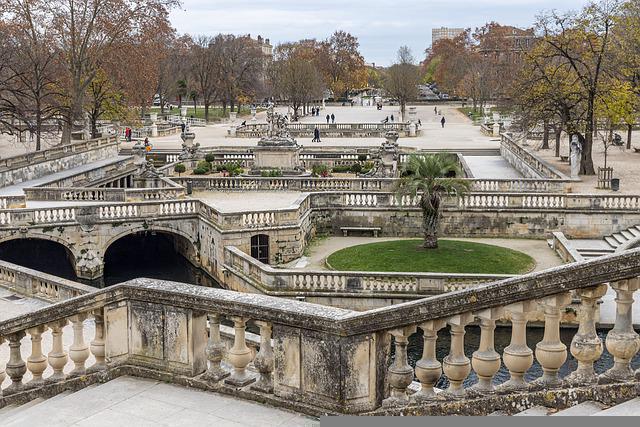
x,y
250,201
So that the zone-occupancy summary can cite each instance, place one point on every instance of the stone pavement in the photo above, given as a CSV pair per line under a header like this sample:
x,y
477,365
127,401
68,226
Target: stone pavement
x,y
320,249
250,201
491,167
129,401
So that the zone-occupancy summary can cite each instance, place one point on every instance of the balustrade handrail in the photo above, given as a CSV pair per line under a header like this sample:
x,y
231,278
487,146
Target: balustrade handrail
x,y
19,161
586,274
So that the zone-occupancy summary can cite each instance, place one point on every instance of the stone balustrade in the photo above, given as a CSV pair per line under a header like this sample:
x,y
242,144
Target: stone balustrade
x,y
298,129
246,273
525,162
319,359
309,184
35,284
12,202
75,194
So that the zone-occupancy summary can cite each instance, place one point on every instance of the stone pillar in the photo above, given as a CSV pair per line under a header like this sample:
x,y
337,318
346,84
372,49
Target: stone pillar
x,y
183,113
622,341
264,359
16,368
233,116
496,129
486,361
215,351
57,356
517,357
400,373
551,352
586,346
239,356
428,368
36,362
154,126
97,344
456,365
253,114
412,129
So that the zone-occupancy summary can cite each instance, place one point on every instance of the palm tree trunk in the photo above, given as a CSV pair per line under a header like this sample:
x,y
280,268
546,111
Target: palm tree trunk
x,y
430,222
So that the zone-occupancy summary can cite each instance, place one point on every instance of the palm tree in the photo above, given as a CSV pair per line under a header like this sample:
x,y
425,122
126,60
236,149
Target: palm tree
x,y
432,177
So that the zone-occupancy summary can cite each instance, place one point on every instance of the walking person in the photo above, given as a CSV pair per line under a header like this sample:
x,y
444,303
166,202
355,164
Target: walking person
x,y
333,118
316,135
392,119
328,118
435,110
313,111
443,121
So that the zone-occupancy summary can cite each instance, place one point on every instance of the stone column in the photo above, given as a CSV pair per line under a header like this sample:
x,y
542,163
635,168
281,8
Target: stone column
x,y
551,352
264,359
97,344
622,341
215,351
239,356
16,368
586,346
57,356
486,361
400,373
428,368
79,350
36,362
517,357
456,365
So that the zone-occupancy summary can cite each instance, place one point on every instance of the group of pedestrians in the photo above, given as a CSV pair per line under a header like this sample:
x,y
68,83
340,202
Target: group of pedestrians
x,y
331,117
315,112
436,112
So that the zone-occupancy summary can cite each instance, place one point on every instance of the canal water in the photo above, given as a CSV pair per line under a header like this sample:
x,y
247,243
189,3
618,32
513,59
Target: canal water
x,y
155,257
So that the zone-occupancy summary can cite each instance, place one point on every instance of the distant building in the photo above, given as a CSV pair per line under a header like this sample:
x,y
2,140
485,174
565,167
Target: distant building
x,y
445,33
505,42
267,48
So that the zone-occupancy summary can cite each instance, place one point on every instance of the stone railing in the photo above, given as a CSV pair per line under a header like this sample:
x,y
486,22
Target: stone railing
x,y
96,176
35,284
76,194
11,202
561,245
525,162
319,359
245,272
37,164
327,129
309,184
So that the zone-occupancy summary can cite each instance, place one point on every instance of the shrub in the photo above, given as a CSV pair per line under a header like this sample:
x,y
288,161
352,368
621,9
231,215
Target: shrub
x,y
362,157
367,167
204,165
210,157
179,168
320,170
233,168
356,168
200,171
273,173
341,169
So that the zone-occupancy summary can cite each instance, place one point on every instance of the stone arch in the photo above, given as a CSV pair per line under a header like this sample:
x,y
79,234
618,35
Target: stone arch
x,y
153,228
52,263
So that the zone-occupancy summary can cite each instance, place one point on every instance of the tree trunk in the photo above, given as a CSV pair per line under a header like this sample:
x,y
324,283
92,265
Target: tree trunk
x,y
558,137
38,130
206,111
586,165
545,136
430,226
629,135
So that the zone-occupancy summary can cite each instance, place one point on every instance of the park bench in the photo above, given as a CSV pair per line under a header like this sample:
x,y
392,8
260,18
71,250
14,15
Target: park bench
x,y
375,230
636,149
564,158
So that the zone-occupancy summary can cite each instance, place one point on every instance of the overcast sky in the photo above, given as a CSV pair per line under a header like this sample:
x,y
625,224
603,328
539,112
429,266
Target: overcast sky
x,y
381,26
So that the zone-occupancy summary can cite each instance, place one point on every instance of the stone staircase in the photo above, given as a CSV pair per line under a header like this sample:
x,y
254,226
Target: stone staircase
x,y
589,408
143,402
589,248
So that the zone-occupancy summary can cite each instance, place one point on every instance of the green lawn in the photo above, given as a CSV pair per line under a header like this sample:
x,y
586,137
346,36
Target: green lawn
x,y
452,256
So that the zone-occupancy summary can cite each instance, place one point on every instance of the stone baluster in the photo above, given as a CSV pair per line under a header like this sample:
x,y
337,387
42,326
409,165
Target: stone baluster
x,y
622,341
264,359
586,346
36,362
486,361
551,352
2,374
456,365
428,368
239,356
98,344
79,350
57,356
16,368
517,357
400,373
215,351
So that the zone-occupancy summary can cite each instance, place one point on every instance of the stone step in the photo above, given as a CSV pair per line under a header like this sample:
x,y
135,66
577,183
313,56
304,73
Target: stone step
x,y
635,231
626,409
593,253
582,409
627,235
535,411
612,241
619,238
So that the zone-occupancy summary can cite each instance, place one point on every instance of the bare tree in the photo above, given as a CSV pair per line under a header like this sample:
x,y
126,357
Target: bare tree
x,y
204,60
402,78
